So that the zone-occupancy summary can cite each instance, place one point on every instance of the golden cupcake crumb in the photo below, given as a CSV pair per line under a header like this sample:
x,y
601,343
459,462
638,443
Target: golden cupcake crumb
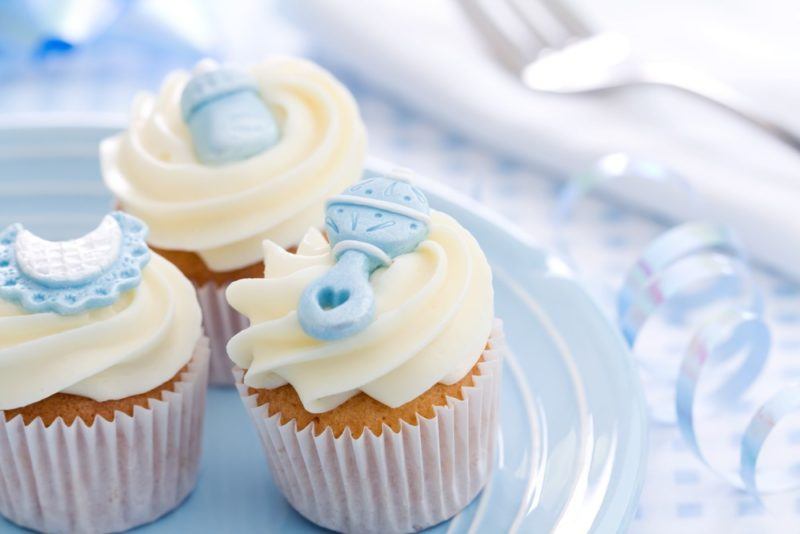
x,y
361,411
70,407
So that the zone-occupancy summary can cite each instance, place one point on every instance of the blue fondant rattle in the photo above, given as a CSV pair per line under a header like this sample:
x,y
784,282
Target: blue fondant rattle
x,y
70,277
226,115
372,222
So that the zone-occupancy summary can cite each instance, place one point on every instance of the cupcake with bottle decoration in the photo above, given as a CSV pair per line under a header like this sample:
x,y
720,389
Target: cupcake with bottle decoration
x,y
223,158
103,375
372,364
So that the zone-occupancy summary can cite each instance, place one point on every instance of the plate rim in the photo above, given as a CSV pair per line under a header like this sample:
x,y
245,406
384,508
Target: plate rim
x,y
109,122
499,221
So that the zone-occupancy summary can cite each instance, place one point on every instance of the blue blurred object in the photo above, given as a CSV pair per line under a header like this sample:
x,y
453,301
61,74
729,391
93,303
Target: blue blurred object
x,y
93,56
33,29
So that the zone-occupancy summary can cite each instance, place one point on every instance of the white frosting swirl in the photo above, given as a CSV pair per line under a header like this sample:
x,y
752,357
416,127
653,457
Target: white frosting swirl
x,y
434,313
128,348
223,213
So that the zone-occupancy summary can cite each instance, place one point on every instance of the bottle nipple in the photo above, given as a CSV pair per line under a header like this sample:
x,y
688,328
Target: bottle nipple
x,y
226,115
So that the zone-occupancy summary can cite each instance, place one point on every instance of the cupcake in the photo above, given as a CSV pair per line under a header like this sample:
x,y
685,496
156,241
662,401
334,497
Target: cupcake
x,y
221,159
103,373
372,365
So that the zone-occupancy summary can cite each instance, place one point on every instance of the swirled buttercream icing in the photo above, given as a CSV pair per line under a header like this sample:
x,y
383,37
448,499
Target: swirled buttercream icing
x,y
129,347
224,212
433,316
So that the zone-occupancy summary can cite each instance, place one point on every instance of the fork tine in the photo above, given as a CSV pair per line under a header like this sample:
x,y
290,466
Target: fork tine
x,y
562,12
530,22
510,52
551,21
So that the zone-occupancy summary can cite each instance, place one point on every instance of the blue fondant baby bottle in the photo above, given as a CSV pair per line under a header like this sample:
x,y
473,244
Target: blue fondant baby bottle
x,y
375,220
226,115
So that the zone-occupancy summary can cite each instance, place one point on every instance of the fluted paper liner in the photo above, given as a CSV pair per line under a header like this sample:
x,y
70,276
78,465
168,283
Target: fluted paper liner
x,y
110,475
221,322
399,481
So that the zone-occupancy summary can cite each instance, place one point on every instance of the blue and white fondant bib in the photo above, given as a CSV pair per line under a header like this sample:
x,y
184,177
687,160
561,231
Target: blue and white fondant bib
x,y
74,276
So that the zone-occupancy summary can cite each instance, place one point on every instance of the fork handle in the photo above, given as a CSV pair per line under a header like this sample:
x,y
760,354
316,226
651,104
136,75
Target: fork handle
x,y
694,82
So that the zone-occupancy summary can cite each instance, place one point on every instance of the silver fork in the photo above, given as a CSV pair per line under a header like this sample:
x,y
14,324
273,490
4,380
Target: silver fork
x,y
552,50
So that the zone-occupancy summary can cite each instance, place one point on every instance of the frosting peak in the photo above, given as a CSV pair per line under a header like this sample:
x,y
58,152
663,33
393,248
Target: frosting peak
x,y
433,316
223,213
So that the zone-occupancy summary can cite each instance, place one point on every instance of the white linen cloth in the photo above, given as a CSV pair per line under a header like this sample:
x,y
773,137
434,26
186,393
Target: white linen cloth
x,y
425,53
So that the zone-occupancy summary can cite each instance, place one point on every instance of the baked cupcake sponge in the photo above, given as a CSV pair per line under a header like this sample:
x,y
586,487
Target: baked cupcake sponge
x,y
70,407
361,412
195,269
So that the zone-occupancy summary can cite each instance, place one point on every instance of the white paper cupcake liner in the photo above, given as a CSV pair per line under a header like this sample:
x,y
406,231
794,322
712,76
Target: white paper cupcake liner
x,y
221,323
399,482
111,475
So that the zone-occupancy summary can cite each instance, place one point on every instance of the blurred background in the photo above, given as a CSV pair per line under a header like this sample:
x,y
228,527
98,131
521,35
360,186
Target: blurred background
x,y
469,93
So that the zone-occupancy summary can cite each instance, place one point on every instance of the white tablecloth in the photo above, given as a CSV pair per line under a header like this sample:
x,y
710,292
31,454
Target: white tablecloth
x,y
426,54
680,494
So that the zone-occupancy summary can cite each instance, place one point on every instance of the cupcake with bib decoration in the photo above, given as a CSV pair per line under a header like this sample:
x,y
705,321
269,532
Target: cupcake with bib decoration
x,y
103,374
223,158
372,364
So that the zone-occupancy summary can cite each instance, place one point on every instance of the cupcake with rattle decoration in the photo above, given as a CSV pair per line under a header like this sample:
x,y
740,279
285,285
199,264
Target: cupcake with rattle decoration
x,y
372,364
102,363
223,158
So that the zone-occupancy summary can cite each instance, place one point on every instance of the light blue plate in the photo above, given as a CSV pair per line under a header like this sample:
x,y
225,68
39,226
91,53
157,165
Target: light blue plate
x,y
573,437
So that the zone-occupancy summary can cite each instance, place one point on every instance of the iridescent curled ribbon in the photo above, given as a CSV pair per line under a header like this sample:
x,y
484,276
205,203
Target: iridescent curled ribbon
x,y
694,254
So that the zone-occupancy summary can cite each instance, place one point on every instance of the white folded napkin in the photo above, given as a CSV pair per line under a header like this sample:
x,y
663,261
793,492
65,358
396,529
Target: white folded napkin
x,y
425,52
